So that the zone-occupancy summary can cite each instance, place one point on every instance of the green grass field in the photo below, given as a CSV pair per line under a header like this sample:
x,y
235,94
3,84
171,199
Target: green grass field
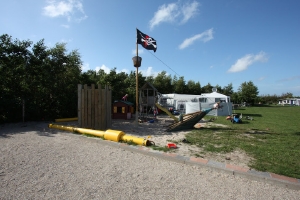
x,y
272,138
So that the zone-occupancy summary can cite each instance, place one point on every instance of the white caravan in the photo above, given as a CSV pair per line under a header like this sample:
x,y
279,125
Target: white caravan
x,y
186,103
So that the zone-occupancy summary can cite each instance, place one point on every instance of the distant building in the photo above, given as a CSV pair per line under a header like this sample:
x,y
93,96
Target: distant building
x,y
289,101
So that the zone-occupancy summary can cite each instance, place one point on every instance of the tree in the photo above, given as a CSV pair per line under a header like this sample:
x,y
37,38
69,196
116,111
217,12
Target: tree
x,y
150,79
130,83
14,59
219,88
89,77
207,88
179,86
228,90
43,80
163,83
268,99
248,92
193,88
286,95
235,98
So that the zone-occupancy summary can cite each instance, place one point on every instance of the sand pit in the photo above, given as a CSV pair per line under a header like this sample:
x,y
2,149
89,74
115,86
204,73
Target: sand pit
x,y
156,133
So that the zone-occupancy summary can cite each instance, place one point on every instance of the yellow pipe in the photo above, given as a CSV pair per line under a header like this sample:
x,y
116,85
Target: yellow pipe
x,y
64,128
66,119
113,135
89,132
136,140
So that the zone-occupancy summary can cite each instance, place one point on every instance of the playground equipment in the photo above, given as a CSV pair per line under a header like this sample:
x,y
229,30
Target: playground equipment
x,y
166,111
112,135
189,120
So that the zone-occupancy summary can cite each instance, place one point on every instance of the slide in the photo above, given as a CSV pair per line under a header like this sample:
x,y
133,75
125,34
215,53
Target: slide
x,y
166,111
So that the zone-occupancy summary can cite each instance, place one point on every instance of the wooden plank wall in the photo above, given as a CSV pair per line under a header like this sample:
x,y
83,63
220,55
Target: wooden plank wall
x,y
94,107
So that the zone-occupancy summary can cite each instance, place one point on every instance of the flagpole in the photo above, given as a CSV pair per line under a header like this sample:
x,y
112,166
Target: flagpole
x,y
137,87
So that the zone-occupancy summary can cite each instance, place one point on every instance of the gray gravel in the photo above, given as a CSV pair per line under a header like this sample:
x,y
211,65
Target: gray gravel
x,y
38,163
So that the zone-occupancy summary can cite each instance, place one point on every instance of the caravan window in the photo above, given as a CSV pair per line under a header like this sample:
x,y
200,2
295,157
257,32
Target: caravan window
x,y
220,100
194,100
203,100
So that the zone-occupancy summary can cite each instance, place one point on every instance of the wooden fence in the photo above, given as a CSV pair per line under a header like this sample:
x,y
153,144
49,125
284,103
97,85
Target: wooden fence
x,y
94,107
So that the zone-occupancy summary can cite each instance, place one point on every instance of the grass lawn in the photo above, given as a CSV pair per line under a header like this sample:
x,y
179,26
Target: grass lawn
x,y
272,138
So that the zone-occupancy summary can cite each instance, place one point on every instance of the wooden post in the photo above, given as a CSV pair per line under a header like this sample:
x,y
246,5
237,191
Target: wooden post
x,y
93,106
79,87
109,109
96,108
85,94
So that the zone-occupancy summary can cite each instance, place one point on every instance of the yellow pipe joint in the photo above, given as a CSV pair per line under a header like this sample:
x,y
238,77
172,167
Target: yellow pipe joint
x,y
113,135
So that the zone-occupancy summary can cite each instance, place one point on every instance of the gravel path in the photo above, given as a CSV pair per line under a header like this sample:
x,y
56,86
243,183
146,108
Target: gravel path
x,y
38,163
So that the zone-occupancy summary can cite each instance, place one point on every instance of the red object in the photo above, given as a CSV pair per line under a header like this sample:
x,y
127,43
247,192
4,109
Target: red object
x,y
172,145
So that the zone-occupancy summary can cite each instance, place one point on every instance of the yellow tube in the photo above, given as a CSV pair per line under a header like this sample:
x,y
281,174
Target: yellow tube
x,y
89,132
66,119
112,135
64,128
136,140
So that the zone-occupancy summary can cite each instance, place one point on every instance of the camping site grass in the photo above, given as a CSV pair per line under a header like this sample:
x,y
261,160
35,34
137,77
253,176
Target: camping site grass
x,y
272,138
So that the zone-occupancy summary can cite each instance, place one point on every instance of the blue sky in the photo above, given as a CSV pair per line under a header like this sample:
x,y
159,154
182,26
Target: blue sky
x,y
210,41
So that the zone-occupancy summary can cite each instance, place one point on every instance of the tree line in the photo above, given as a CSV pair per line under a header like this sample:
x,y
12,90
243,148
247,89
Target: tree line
x,y
40,83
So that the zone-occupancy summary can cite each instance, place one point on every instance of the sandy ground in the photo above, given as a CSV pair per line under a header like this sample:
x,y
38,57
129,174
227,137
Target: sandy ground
x,y
156,133
41,163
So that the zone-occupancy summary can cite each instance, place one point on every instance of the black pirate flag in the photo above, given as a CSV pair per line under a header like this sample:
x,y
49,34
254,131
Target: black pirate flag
x,y
145,40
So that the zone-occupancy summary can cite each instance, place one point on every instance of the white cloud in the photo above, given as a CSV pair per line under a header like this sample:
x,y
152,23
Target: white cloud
x,y
169,13
204,37
244,62
85,67
103,67
149,72
189,10
164,14
65,8
55,9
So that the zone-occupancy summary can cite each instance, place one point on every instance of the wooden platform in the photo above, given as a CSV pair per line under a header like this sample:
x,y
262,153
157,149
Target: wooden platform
x,y
188,122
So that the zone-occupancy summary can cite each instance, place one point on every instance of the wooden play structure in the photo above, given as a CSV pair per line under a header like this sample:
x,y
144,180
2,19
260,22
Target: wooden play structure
x,y
147,99
94,106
